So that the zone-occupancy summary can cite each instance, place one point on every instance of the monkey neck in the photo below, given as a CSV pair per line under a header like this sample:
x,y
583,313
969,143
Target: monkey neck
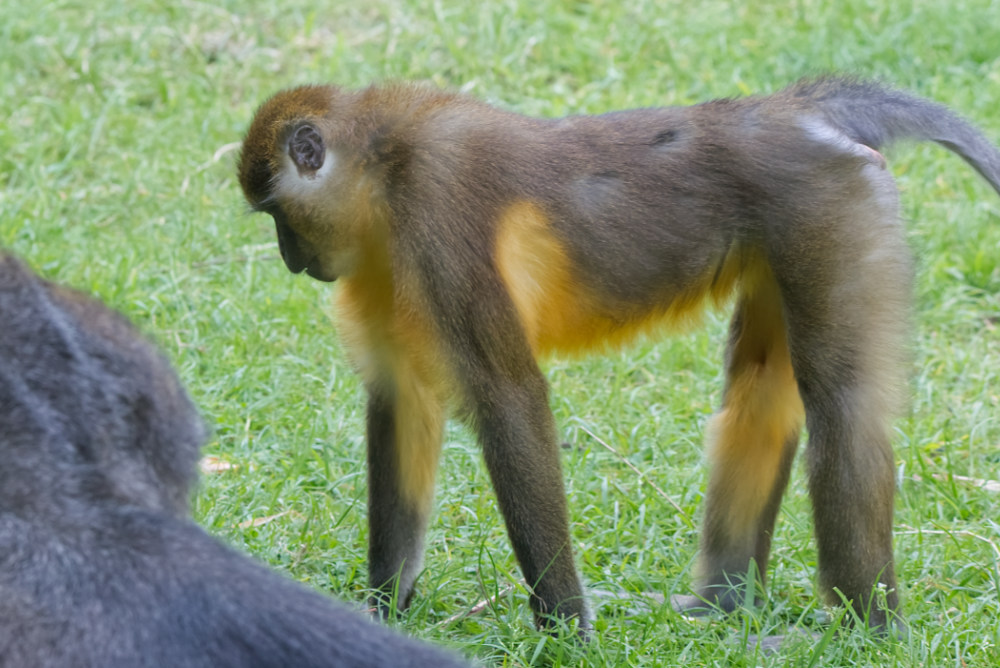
x,y
371,286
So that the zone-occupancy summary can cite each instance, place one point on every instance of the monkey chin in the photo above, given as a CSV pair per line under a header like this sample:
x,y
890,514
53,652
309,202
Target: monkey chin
x,y
329,265
315,270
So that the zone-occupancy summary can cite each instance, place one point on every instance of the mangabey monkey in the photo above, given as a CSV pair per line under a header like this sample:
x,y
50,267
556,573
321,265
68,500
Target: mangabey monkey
x,y
470,240
99,565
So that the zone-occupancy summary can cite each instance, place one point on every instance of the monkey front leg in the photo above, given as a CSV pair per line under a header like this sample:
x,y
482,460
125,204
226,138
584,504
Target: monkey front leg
x,y
404,428
522,454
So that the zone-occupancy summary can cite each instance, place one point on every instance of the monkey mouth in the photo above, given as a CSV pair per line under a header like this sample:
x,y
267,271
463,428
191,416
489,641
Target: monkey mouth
x,y
294,252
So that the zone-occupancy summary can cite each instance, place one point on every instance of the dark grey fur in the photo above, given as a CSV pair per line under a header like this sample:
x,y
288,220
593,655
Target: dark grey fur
x,y
99,565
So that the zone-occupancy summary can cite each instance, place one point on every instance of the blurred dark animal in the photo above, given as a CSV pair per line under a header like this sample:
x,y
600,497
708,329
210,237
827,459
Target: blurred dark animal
x,y
99,564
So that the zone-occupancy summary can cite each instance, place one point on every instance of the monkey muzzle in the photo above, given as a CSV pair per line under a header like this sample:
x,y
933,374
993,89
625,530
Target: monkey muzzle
x,y
296,254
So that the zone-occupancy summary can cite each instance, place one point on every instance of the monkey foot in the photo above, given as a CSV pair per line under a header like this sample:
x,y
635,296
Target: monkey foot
x,y
692,606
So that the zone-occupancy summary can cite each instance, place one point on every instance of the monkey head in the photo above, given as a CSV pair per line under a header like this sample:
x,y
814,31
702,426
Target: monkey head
x,y
308,171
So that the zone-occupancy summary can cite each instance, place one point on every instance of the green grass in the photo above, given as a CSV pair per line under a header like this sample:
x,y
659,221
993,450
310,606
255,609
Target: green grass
x,y
117,176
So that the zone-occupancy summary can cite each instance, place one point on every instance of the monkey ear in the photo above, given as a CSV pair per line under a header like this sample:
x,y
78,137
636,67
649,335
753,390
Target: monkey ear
x,y
306,148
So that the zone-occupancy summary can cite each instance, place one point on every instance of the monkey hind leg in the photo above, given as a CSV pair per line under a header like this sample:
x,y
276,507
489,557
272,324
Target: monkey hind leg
x,y
752,442
847,330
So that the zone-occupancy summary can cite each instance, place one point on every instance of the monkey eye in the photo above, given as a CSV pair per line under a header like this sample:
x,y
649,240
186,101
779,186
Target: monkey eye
x,y
306,148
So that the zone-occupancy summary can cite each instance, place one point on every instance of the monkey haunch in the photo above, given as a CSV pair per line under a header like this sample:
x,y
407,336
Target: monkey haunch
x,y
470,240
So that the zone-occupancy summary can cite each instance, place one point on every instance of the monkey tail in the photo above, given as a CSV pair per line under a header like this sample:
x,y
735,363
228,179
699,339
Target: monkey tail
x,y
877,116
